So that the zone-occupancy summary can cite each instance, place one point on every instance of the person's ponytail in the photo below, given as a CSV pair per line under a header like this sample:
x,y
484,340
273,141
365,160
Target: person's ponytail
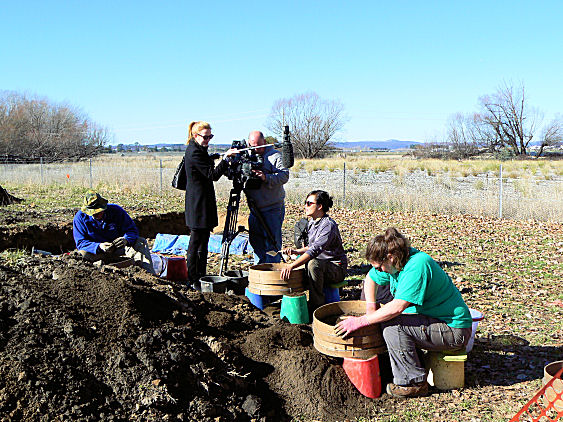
x,y
190,133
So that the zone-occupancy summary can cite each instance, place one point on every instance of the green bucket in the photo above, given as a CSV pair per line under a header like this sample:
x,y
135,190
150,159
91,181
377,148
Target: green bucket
x,y
294,309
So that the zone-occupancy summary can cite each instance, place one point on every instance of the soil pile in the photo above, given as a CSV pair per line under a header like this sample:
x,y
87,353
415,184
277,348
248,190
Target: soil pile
x,y
79,342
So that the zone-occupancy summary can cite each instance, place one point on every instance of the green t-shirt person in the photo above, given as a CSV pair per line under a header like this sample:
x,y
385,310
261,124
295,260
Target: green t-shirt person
x,y
426,285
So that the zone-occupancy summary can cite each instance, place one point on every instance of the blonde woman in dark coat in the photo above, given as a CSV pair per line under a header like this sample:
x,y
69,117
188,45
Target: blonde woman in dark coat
x,y
201,206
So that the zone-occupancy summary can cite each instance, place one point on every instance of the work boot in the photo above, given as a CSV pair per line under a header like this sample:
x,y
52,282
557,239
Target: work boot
x,y
403,391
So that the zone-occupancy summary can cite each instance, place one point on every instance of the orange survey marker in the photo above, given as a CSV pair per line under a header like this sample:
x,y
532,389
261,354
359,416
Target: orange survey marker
x,y
546,405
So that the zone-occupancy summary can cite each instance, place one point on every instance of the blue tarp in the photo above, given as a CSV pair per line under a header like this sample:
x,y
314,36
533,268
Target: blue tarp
x,y
175,244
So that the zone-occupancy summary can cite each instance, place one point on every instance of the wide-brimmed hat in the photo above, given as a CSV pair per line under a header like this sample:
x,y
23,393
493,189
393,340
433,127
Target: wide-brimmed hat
x,y
93,203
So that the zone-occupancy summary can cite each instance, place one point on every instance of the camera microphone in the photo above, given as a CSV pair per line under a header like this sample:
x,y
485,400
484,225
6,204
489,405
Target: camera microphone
x,y
287,149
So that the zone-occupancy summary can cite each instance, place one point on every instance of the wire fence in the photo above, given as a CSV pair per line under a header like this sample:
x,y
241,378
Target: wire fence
x,y
490,194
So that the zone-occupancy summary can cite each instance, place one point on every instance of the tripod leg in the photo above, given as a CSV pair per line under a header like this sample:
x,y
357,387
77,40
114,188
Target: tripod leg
x,y
230,229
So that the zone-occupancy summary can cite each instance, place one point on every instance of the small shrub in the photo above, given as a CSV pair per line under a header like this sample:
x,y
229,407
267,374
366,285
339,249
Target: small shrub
x,y
522,186
398,180
479,185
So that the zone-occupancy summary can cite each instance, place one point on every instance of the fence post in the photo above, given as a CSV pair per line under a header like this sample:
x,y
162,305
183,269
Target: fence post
x,y
160,176
344,185
500,194
91,173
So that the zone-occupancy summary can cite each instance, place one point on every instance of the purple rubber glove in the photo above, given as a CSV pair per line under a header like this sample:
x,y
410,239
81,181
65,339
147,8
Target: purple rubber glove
x,y
350,324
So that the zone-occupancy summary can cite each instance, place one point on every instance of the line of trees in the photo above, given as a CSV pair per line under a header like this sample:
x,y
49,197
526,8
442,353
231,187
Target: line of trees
x,y
35,127
505,125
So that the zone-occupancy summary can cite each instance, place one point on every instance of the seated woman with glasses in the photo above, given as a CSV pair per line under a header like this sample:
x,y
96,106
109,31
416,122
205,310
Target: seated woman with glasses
x,y
201,207
324,255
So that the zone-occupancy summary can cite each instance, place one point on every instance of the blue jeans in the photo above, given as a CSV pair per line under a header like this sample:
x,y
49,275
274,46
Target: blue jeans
x,y
259,240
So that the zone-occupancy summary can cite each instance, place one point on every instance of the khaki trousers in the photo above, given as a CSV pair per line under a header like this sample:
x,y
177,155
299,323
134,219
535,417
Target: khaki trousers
x,y
321,273
140,253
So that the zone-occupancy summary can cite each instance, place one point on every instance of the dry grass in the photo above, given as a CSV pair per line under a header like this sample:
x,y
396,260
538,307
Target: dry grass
x,y
532,189
547,168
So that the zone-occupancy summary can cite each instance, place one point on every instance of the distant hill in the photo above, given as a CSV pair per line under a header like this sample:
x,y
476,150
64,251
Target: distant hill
x,y
177,146
388,144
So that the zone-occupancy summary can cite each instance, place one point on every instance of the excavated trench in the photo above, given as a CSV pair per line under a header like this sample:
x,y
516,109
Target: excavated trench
x,y
57,238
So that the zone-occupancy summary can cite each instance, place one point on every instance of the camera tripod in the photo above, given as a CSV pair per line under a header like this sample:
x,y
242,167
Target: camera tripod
x,y
231,231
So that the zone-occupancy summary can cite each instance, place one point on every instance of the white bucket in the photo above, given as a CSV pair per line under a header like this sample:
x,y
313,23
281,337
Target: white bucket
x,y
476,316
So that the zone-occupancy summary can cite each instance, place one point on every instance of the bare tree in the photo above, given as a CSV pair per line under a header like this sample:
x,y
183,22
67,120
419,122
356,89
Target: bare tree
x,y
35,127
552,134
483,135
507,114
463,136
505,123
313,122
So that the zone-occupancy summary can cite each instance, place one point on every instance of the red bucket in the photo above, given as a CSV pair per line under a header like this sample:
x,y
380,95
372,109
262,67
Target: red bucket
x,y
175,268
365,375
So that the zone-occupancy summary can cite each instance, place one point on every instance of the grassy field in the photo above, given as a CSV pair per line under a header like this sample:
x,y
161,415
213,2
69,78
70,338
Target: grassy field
x,y
531,189
395,162
400,165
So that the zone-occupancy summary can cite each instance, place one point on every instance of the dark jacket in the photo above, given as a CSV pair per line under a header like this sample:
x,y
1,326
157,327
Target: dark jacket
x,y
201,206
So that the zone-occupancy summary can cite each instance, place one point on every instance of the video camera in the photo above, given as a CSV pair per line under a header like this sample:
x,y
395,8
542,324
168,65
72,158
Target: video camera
x,y
241,166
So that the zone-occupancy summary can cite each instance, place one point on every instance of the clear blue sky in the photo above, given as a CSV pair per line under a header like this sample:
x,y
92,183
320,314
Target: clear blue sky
x,y
401,68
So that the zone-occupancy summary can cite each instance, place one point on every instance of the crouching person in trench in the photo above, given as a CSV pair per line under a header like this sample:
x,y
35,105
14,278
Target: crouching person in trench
x,y
325,257
426,310
105,232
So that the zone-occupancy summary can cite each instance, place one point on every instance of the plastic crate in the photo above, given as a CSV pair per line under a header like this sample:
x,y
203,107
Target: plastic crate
x,y
542,406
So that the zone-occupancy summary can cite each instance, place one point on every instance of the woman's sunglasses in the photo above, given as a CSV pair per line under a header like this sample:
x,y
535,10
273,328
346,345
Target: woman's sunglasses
x,y
205,137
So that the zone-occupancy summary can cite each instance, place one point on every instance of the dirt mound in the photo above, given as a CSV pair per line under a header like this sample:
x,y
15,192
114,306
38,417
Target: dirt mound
x,y
78,342
310,384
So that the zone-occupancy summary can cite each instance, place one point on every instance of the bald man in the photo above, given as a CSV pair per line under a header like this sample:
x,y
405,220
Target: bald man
x,y
269,199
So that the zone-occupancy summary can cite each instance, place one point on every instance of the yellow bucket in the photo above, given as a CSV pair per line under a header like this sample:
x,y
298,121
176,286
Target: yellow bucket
x,y
446,371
